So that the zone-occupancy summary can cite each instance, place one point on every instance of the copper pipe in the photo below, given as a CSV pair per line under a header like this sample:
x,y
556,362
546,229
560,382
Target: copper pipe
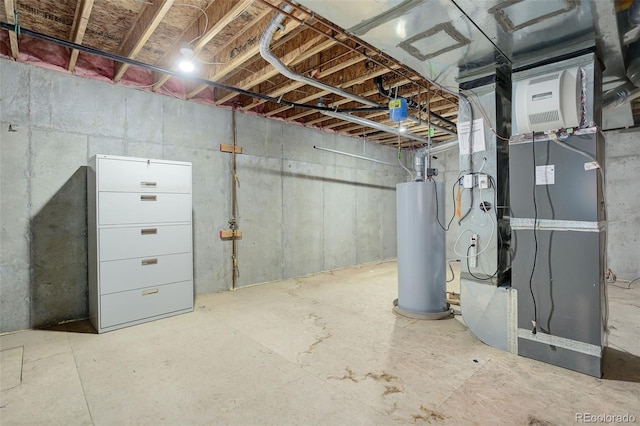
x,y
234,201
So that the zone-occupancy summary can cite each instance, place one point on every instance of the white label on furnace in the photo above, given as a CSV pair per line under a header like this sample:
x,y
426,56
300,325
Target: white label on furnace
x,y
466,138
592,165
545,175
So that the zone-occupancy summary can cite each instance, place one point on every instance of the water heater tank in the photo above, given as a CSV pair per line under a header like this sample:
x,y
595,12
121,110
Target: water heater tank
x,y
421,251
548,102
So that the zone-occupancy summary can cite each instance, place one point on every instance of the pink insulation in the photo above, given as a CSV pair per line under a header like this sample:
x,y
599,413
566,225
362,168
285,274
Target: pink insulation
x,y
49,55
5,48
94,67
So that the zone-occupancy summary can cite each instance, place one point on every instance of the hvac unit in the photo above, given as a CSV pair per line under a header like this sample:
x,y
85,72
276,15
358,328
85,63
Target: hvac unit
x,y
548,102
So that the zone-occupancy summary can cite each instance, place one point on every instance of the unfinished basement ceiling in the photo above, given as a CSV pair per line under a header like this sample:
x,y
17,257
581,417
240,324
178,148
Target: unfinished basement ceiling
x,y
445,40
225,36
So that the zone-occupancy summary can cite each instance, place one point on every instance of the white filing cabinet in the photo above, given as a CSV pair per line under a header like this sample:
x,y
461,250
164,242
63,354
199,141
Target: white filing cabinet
x,y
140,240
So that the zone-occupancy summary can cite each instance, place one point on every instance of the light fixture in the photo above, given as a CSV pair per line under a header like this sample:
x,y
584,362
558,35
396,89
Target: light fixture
x,y
186,65
402,128
186,62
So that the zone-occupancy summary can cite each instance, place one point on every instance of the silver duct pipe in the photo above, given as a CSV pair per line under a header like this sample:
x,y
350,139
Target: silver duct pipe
x,y
361,157
418,164
620,95
266,54
375,125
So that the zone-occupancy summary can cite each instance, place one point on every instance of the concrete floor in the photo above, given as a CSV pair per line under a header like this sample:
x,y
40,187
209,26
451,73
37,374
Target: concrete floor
x,y
322,349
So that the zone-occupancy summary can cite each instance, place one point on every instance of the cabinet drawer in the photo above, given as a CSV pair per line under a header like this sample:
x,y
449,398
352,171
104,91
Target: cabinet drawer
x,y
121,208
140,241
129,274
143,176
120,308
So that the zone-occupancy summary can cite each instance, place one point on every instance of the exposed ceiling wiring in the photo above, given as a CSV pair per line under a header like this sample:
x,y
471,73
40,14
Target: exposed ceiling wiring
x,y
129,61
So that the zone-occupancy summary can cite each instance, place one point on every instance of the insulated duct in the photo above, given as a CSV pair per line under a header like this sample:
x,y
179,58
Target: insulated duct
x,y
266,54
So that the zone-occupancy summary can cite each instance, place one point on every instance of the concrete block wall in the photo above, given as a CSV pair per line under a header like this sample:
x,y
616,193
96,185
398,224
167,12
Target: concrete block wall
x,y
301,210
622,166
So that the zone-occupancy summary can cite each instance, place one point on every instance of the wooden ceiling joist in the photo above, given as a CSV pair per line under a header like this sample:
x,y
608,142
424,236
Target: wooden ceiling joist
x,y
292,58
222,15
146,23
225,36
13,37
231,62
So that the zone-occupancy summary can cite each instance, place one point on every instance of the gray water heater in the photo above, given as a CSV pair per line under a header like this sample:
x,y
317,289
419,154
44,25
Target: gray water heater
x,y
421,251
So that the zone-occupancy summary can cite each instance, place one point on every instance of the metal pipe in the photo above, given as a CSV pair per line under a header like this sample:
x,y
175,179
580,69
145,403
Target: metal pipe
x,y
233,223
375,125
619,96
444,146
266,54
418,164
355,156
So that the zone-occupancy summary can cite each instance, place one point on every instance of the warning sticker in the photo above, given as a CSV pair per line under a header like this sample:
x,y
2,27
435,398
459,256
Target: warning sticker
x,y
545,175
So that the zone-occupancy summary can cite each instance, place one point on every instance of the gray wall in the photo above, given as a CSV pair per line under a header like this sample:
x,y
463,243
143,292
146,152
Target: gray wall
x,y
622,166
300,210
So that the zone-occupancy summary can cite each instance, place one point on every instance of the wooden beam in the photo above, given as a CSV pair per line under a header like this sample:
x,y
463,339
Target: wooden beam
x,y
230,234
80,21
146,23
293,57
13,38
233,60
230,148
222,16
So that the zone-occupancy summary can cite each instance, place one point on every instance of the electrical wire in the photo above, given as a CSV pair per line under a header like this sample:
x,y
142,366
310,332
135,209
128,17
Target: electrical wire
x,y
471,113
535,238
403,166
471,273
129,61
562,143
453,193
206,18
453,274
628,287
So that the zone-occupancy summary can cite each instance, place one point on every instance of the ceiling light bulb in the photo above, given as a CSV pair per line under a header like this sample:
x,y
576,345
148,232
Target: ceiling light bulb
x,y
402,128
186,65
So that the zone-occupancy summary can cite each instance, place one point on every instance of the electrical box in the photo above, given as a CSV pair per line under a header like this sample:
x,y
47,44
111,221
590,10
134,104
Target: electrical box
x,y
467,181
548,102
483,181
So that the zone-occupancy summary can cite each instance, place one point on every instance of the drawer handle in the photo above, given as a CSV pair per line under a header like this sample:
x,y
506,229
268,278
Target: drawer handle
x,y
149,231
151,291
148,198
146,262
148,184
